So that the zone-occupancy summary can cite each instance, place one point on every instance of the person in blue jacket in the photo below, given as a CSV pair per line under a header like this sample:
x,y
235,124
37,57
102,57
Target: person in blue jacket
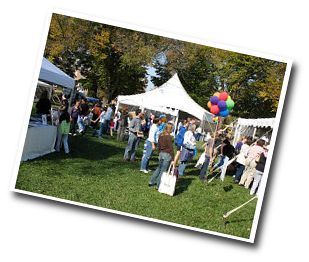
x,y
180,137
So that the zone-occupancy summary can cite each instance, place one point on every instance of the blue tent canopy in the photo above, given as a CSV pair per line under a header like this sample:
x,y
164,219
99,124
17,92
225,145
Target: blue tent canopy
x,y
52,74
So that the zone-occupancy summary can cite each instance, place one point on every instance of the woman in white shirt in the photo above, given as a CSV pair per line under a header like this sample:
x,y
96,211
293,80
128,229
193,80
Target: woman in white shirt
x,y
187,151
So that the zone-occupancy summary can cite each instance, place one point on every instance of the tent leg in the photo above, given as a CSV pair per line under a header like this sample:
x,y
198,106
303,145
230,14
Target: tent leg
x,y
236,137
117,106
176,123
254,131
71,96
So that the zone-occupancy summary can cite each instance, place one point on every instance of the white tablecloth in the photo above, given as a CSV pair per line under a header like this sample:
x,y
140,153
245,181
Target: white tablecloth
x,y
40,140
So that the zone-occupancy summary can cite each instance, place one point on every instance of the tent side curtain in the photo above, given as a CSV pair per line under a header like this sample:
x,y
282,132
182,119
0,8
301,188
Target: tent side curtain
x,y
247,127
52,74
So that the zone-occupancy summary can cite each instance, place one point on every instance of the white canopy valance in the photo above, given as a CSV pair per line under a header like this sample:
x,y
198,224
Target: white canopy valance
x,y
259,122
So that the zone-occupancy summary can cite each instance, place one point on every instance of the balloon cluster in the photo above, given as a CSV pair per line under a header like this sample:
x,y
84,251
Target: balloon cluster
x,y
220,104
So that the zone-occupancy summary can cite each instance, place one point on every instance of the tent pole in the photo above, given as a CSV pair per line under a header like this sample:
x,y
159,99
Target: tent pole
x,y
254,131
236,136
176,123
71,96
117,106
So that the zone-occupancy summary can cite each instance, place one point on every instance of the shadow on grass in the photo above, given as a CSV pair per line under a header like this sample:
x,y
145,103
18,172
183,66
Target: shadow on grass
x,y
182,185
87,148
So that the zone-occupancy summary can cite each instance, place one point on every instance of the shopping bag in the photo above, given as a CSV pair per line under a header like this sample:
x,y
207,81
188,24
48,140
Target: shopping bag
x,y
168,182
200,161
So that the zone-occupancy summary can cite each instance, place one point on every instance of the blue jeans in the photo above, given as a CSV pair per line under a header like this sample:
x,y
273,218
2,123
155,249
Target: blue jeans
x,y
182,167
131,146
205,167
99,131
239,171
147,156
106,126
80,123
62,138
164,163
220,161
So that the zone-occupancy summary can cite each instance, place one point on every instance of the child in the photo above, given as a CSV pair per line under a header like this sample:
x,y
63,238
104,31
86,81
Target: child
x,y
63,132
73,117
111,125
101,118
86,120
64,106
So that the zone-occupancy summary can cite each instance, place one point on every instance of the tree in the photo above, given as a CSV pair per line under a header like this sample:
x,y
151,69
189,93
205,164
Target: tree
x,y
113,60
66,41
272,86
254,83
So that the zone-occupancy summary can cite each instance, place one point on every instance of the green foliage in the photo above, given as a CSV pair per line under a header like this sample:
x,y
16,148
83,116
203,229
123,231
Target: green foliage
x,y
254,83
114,61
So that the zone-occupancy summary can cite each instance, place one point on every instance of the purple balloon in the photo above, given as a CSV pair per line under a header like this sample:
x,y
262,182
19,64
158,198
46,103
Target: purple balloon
x,y
222,104
214,100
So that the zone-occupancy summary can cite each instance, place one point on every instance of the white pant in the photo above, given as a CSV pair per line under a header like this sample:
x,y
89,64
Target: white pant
x,y
62,138
257,179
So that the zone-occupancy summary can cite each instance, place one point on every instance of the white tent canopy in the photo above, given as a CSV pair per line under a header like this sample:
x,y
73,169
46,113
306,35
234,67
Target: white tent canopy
x,y
247,127
52,74
169,98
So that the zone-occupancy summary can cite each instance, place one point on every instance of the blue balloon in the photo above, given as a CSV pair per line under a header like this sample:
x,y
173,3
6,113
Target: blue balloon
x,y
224,113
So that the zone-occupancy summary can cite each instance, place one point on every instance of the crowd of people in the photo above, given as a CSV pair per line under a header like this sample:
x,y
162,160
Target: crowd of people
x,y
250,158
250,155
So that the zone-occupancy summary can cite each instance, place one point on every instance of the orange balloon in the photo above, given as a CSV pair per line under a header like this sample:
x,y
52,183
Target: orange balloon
x,y
217,94
209,104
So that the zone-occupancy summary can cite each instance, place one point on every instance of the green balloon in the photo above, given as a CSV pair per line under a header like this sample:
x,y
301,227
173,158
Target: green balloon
x,y
230,104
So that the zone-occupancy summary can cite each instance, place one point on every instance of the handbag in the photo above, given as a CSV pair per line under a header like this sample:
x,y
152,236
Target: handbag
x,y
186,155
176,173
168,182
189,146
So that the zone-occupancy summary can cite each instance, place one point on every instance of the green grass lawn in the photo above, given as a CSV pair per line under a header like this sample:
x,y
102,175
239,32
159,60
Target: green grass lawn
x,y
95,174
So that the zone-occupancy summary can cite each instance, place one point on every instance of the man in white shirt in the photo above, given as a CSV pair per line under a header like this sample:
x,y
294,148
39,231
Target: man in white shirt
x,y
151,145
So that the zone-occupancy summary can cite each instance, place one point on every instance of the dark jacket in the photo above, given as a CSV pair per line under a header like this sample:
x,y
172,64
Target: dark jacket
x,y
261,164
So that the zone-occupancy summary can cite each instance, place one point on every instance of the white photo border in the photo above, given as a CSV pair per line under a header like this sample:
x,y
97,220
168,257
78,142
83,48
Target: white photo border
x,y
170,35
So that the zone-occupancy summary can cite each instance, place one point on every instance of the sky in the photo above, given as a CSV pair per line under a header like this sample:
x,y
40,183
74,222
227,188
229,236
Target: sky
x,y
151,72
